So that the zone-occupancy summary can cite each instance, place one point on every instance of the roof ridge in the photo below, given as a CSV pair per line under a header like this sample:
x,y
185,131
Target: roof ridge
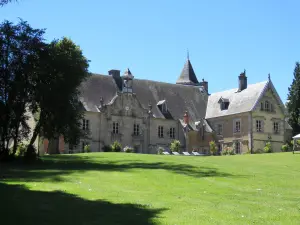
x,y
232,89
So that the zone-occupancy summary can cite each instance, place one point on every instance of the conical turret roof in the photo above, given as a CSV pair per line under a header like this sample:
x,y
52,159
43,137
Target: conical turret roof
x,y
187,75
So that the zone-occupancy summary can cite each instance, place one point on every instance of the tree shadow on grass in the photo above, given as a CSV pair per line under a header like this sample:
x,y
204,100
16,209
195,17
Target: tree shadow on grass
x,y
22,206
53,167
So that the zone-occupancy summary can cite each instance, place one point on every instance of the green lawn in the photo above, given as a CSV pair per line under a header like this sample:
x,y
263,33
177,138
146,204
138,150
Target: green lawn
x,y
121,188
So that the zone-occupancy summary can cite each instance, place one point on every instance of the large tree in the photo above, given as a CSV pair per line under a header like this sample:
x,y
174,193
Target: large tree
x,y
20,50
4,2
293,104
38,79
56,100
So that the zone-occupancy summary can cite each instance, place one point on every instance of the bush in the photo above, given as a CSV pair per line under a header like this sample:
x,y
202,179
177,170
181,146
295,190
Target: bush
x,y
268,147
285,148
106,148
175,146
87,148
116,147
228,151
160,150
212,147
128,149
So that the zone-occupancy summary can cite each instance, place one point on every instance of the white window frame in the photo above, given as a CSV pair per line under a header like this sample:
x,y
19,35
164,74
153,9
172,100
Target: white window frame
x,y
267,106
219,131
85,124
259,126
172,132
136,129
115,128
235,130
160,131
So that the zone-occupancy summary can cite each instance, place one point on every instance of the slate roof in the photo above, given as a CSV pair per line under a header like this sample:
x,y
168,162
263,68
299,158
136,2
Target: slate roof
x,y
179,98
187,75
239,102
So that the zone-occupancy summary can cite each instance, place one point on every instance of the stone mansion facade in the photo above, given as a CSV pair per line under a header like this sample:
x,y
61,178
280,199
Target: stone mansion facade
x,y
147,114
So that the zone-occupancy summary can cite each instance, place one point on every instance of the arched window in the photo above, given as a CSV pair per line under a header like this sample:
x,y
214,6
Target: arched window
x,y
267,105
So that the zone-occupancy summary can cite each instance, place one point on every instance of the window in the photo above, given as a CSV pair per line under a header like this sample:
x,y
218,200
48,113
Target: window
x,y
276,127
237,126
136,129
237,147
162,105
172,132
115,128
160,131
219,129
267,105
224,105
85,124
262,106
259,125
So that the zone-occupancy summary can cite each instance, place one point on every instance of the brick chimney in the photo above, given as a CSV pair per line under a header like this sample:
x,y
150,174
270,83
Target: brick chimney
x,y
204,84
242,81
186,118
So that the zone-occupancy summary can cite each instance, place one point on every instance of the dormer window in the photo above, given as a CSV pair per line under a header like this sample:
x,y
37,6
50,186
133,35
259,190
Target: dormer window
x,y
162,105
224,103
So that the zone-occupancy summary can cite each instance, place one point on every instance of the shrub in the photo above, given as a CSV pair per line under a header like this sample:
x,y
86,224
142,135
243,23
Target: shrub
x,y
231,151
106,148
228,151
87,148
116,147
285,148
268,147
175,146
128,149
160,150
212,147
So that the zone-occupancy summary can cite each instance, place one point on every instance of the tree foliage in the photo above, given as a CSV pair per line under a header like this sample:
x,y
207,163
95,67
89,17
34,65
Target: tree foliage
x,y
56,98
4,2
20,47
41,79
293,104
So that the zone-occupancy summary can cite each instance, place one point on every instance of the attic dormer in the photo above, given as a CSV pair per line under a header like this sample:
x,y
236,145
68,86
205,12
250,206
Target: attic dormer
x,y
224,103
162,105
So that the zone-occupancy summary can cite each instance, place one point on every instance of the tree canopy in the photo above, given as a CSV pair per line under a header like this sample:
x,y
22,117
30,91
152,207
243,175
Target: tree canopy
x,y
293,104
40,79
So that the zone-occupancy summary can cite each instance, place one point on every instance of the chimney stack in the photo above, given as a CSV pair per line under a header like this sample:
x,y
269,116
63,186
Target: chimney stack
x,y
242,81
186,118
116,75
204,84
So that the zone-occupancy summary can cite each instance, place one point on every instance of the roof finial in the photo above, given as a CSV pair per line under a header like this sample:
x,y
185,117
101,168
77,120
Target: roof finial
x,y
188,54
244,71
269,76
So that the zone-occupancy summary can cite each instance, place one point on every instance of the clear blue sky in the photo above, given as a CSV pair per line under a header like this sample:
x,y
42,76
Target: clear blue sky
x,y
152,37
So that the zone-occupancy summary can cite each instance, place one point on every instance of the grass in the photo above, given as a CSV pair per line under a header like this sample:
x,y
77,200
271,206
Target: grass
x,y
122,188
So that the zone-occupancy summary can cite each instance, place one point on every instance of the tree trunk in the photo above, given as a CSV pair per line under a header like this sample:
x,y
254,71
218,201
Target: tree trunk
x,y
35,134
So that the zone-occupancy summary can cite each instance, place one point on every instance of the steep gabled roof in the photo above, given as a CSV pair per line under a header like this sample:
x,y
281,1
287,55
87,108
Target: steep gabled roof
x,y
180,98
187,76
239,102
